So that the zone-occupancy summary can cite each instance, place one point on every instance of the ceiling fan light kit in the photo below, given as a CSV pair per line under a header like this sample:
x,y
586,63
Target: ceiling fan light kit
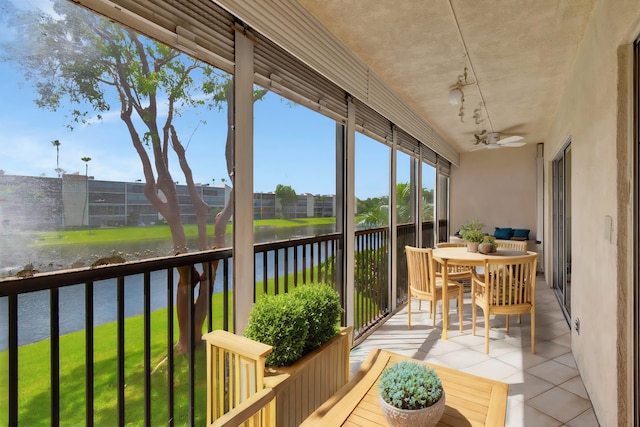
x,y
455,96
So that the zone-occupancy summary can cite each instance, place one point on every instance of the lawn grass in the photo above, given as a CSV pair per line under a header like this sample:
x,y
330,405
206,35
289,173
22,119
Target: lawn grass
x,y
155,232
34,376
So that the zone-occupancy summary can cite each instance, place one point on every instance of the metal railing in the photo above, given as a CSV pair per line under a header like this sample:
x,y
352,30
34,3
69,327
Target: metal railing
x,y
279,266
94,280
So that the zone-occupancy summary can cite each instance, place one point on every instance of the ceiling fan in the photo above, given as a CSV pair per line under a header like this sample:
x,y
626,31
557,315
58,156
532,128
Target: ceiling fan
x,y
493,140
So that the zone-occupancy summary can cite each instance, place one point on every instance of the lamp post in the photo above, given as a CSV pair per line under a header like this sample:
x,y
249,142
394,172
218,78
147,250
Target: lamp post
x,y
86,161
57,144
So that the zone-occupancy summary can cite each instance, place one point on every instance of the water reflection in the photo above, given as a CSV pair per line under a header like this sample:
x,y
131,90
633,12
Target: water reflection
x,y
34,308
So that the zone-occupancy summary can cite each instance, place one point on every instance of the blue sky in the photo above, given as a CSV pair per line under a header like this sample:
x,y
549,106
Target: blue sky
x,y
293,145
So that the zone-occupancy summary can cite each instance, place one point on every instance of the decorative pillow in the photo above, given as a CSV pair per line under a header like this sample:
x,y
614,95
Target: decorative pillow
x,y
502,233
521,233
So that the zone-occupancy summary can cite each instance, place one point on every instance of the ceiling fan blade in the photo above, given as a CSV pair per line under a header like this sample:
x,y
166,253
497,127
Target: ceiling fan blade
x,y
509,139
480,147
513,144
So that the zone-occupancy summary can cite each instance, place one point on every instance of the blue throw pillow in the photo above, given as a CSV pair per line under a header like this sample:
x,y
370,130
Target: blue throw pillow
x,y
521,233
502,233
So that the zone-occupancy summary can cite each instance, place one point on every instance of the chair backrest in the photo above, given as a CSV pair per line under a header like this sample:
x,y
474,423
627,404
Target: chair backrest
x,y
511,281
450,245
420,266
516,245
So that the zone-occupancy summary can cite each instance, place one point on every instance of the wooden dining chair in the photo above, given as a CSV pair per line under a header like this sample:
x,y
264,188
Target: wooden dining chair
x,y
516,245
456,272
424,284
450,245
508,286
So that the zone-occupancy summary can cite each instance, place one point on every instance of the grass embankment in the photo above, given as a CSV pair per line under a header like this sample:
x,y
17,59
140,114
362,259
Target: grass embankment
x,y
34,387
156,232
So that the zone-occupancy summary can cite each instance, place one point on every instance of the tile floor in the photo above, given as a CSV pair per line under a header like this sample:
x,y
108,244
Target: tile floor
x,y
545,388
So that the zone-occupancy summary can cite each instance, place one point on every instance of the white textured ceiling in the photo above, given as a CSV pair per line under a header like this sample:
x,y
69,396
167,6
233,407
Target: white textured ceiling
x,y
518,51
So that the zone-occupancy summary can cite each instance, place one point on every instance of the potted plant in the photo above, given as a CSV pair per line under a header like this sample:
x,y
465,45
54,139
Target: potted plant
x,y
488,245
310,357
472,234
411,394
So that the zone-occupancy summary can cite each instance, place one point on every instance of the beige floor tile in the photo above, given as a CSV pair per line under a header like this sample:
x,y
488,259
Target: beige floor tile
x,y
523,415
526,385
497,347
575,386
552,330
468,340
553,372
564,340
586,419
559,404
464,358
437,361
547,349
522,359
545,318
444,346
493,369
567,359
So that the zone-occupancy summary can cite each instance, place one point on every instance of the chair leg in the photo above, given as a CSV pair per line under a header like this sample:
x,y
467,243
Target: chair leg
x,y
409,311
487,328
507,322
473,314
533,330
460,306
432,311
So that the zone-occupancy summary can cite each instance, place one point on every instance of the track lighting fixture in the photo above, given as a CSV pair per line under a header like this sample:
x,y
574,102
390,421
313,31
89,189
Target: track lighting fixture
x,y
456,94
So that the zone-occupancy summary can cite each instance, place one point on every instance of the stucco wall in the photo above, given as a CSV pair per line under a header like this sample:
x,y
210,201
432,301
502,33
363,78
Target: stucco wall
x,y
589,115
505,197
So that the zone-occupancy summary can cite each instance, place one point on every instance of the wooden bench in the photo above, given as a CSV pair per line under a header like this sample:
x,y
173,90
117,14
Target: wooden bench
x,y
470,400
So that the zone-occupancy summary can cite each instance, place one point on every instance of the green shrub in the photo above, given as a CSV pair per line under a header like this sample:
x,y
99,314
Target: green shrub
x,y
321,304
279,321
410,385
295,323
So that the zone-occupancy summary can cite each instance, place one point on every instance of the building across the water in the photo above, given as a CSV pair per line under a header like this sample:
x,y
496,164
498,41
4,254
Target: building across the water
x,y
74,200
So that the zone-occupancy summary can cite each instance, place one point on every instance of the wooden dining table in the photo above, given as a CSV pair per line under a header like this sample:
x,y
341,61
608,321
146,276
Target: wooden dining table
x,y
470,400
461,256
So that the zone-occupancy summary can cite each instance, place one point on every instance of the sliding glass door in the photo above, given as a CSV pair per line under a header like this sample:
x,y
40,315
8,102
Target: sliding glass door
x,y
562,229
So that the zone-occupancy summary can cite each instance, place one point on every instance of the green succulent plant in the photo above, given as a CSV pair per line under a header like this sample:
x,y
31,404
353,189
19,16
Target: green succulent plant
x,y
490,240
410,385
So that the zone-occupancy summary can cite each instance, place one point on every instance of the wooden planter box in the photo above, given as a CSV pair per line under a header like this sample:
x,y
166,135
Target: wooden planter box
x,y
302,387
298,389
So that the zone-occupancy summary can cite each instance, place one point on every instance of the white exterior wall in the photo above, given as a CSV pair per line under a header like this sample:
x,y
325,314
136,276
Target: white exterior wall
x,y
594,113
